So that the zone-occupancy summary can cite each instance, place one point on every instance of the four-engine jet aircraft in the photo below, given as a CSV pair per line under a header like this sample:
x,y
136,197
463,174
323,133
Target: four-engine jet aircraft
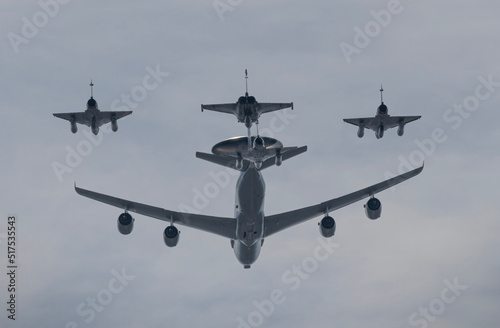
x,y
93,117
382,121
247,110
248,229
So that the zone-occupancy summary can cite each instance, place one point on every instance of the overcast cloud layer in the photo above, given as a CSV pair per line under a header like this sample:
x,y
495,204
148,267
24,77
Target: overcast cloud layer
x,y
431,260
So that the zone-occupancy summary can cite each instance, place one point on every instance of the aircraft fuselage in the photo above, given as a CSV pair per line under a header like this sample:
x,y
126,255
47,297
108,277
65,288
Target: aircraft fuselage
x,y
247,113
249,213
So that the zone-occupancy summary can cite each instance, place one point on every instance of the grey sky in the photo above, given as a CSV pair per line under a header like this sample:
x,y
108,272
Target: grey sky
x,y
437,229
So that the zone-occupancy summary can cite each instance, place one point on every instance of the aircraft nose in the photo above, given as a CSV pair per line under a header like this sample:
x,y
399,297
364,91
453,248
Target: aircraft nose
x,y
91,103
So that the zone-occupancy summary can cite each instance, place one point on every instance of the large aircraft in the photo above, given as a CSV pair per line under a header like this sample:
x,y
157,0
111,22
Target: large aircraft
x,y
382,121
92,117
250,226
247,110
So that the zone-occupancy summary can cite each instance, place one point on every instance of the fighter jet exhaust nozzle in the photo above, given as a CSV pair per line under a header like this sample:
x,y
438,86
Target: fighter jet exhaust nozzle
x,y
278,159
74,128
125,223
114,125
171,236
361,131
373,208
401,129
327,226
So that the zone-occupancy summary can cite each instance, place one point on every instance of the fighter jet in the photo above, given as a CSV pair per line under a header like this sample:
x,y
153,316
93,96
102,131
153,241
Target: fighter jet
x,y
92,117
382,121
247,110
250,226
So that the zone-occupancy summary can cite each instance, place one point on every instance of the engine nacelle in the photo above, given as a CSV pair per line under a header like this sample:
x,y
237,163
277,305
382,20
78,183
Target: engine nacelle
x,y
380,132
327,226
125,223
74,128
401,129
278,159
361,131
239,163
373,208
171,236
114,125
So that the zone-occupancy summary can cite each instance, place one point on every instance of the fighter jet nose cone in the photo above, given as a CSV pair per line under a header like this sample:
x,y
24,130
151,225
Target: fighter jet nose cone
x,y
91,103
382,108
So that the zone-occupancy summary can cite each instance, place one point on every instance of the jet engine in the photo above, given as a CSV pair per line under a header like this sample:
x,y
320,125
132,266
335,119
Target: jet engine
x,y
171,236
380,132
239,163
114,125
401,129
373,208
278,159
74,128
327,226
361,130
125,223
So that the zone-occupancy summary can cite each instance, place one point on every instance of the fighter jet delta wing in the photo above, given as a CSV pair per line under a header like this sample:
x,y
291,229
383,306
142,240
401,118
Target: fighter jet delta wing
x,y
79,117
106,117
393,121
223,108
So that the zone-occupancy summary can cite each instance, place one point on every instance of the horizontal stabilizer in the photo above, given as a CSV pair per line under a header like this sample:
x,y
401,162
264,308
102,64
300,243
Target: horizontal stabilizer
x,y
286,153
230,161
227,161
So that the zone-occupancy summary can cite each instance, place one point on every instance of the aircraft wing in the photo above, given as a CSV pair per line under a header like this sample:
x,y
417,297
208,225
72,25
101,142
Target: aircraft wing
x,y
106,117
278,222
223,108
394,121
225,227
270,107
368,122
79,117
